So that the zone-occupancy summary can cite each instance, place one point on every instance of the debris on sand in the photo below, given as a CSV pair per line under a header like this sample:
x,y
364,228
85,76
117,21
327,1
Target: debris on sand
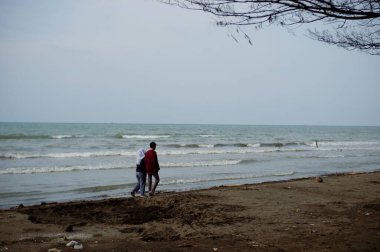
x,y
74,244
319,179
54,250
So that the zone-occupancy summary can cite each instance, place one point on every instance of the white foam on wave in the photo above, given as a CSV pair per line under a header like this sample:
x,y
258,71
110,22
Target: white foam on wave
x,y
346,143
185,151
28,170
144,136
256,145
331,156
209,151
207,136
118,153
206,145
188,152
349,148
204,150
203,163
66,154
65,136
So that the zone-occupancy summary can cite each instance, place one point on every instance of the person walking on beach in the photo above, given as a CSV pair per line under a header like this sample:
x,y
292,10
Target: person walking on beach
x,y
140,173
152,167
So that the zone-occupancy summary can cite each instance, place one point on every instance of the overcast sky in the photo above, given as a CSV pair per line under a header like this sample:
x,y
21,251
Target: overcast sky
x,y
141,61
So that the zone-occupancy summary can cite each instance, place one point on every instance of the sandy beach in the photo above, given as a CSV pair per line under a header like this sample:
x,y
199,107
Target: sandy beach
x,y
342,213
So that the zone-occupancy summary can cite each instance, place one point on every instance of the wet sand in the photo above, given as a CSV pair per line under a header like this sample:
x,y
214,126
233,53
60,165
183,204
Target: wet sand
x,y
342,213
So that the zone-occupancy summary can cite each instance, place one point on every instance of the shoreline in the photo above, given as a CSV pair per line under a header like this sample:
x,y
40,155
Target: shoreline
x,y
84,200
342,213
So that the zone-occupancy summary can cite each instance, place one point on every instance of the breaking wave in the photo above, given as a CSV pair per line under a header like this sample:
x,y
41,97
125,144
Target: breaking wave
x,y
203,163
205,149
173,152
36,137
30,170
207,163
141,136
347,143
130,153
66,155
242,145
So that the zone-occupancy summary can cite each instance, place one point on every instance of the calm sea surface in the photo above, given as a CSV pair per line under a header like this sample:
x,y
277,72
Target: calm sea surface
x,y
61,162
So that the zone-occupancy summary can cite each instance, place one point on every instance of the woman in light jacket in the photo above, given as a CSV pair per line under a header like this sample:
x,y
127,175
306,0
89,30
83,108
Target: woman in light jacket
x,y
140,173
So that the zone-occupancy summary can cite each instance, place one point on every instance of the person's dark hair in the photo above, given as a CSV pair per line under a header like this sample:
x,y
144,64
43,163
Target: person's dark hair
x,y
152,145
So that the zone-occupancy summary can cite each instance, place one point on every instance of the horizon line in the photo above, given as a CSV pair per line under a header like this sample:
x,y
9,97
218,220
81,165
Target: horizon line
x,y
221,124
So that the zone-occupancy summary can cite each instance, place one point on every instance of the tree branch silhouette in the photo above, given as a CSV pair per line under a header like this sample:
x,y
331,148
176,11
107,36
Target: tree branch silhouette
x,y
350,24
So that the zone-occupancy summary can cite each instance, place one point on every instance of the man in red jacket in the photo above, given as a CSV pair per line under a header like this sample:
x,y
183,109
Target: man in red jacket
x,y
152,167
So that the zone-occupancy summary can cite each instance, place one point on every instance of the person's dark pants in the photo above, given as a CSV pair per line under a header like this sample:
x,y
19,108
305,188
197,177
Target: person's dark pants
x,y
156,181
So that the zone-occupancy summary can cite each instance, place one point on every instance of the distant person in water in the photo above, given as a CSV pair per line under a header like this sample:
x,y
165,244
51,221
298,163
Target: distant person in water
x,y
152,168
140,173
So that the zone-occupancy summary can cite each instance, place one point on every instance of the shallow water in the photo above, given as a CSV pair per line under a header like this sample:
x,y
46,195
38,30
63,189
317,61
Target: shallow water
x,y
61,162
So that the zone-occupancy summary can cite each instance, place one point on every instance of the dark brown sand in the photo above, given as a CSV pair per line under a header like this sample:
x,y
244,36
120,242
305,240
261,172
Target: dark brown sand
x,y
340,214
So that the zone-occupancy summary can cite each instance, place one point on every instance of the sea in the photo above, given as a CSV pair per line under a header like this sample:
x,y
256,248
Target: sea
x,y
60,162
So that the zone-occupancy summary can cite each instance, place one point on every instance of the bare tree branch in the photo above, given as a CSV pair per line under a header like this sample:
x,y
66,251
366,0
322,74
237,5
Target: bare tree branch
x,y
351,24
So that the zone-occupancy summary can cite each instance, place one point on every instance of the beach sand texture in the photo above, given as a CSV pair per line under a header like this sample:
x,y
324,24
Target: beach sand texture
x,y
340,214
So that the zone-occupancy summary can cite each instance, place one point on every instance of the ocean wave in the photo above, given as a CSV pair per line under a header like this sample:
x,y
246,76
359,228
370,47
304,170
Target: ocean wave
x,y
242,145
185,145
141,136
65,155
248,161
349,148
200,149
286,144
30,170
209,151
347,143
256,145
191,181
271,145
206,145
67,136
331,156
174,152
212,151
205,136
93,189
20,194
36,137
231,145
202,163
23,136
207,163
